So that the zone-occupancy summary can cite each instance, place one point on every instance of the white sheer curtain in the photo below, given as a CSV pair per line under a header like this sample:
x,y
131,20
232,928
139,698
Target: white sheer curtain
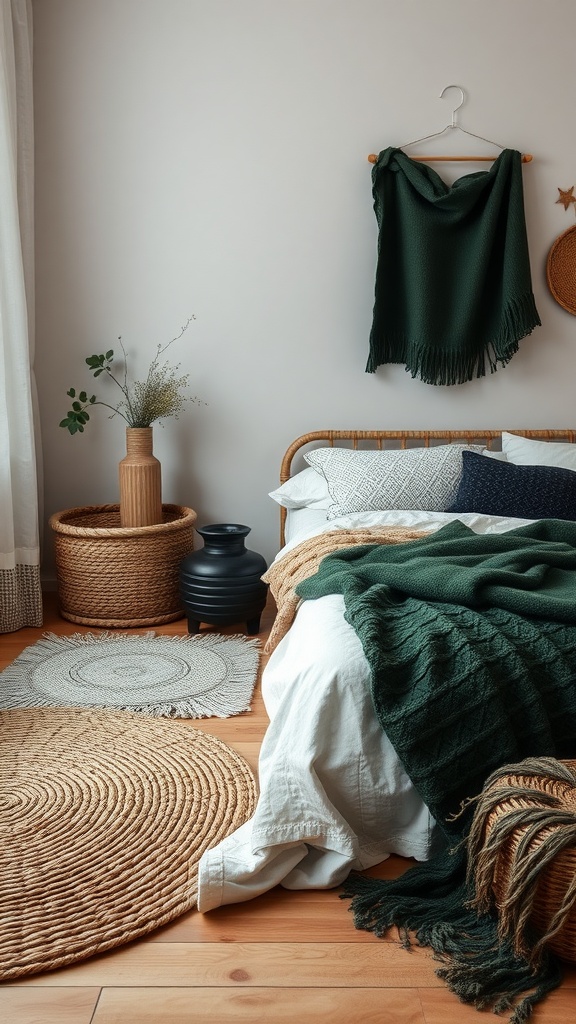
x,y
20,589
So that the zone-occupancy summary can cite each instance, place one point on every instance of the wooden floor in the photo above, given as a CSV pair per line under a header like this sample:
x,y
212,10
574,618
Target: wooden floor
x,y
283,958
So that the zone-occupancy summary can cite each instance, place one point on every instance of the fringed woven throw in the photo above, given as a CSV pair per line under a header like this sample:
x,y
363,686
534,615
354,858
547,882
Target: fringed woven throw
x,y
453,292
522,855
471,640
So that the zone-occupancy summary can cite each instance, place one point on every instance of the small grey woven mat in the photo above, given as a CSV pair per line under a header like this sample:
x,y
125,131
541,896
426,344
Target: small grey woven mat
x,y
196,676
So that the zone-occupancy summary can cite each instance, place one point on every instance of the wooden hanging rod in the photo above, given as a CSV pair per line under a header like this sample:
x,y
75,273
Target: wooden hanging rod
x,y
526,158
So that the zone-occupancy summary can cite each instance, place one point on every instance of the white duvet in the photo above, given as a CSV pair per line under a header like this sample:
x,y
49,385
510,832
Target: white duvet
x,y
333,796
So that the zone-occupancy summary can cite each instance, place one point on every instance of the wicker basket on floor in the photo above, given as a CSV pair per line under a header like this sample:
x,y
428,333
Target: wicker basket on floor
x,y
120,577
522,853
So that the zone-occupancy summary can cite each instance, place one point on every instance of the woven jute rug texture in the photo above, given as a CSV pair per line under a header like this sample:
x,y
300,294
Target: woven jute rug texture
x,y
104,817
194,676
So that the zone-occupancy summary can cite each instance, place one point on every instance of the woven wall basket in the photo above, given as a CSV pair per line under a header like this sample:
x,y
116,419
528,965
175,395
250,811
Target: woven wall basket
x,y
561,270
525,821
113,576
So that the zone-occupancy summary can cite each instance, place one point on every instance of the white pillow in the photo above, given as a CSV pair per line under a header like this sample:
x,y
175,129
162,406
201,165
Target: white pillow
x,y
307,489
302,521
412,478
499,456
523,451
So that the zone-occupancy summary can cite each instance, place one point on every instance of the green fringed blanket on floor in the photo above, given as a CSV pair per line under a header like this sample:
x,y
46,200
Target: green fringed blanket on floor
x,y
471,641
453,292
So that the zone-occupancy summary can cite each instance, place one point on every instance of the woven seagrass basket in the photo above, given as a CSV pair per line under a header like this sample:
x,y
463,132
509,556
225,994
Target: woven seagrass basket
x,y
528,820
120,577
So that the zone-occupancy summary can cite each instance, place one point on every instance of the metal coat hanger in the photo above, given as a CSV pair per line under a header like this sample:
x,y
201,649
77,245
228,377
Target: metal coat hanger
x,y
526,157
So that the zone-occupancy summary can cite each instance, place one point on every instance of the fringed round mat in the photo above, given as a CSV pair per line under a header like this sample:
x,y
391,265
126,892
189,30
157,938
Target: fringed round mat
x,y
104,817
173,676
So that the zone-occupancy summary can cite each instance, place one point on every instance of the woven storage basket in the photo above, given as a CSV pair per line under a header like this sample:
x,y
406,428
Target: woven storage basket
x,y
557,877
120,577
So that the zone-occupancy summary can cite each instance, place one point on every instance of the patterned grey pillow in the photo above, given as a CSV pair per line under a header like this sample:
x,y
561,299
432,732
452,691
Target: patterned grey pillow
x,y
413,478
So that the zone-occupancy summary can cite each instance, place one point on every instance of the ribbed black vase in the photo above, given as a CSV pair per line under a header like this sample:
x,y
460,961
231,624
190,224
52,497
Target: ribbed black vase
x,y
221,583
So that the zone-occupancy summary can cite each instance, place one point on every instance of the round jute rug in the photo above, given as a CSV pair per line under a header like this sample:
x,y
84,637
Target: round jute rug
x,y
104,816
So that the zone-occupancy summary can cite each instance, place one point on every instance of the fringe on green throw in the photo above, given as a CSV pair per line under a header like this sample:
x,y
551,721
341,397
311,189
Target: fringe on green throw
x,y
431,902
441,367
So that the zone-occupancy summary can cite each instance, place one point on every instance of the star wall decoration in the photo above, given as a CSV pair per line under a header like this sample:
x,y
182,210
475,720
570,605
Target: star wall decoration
x,y
566,197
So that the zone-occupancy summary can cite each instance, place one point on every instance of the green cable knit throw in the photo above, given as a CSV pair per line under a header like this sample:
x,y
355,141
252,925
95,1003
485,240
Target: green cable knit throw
x,y
453,290
471,640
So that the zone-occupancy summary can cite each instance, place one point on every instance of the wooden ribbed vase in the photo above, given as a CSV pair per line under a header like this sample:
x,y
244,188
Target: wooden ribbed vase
x,y
140,479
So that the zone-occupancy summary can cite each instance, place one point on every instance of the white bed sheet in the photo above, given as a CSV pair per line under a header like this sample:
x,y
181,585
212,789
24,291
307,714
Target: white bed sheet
x,y
333,795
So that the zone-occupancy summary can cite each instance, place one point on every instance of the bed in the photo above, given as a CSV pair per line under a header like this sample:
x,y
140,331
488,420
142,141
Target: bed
x,y
334,795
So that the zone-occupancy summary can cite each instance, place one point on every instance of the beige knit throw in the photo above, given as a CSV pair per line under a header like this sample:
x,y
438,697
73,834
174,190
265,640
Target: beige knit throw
x,y
303,560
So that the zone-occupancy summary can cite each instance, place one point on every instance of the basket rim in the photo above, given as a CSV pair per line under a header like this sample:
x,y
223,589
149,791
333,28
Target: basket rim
x,y
184,517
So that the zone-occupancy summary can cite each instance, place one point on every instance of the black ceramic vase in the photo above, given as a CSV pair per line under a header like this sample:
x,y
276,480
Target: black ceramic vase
x,y
221,583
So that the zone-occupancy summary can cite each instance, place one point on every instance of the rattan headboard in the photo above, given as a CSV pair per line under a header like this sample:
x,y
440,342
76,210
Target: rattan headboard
x,y
399,439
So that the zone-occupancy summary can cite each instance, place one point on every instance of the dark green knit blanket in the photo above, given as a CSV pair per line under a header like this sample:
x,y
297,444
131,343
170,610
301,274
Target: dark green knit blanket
x,y
453,291
471,640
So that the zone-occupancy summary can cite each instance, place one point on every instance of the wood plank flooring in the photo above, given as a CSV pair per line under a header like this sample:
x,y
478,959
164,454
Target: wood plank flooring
x,y
283,958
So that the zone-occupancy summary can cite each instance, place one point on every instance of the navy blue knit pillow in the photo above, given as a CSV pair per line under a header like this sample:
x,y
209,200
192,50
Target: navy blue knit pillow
x,y
527,492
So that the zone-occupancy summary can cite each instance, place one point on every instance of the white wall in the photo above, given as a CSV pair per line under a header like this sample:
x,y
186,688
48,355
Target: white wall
x,y
209,157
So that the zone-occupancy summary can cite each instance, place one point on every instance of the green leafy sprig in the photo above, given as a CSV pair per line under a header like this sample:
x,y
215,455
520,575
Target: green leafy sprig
x,y
160,395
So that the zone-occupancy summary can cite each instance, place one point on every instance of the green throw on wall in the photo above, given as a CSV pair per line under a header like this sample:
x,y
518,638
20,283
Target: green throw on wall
x,y
453,292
